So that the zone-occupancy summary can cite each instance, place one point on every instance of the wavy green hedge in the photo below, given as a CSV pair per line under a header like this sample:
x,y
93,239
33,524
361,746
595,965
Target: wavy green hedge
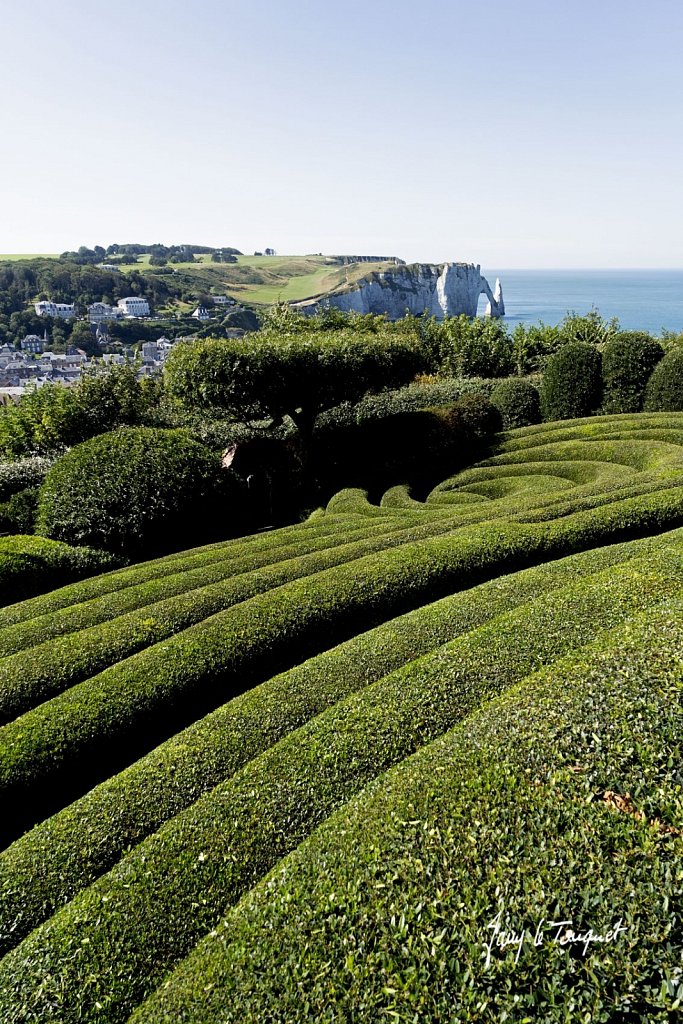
x,y
36,673
52,753
112,943
85,839
32,565
559,801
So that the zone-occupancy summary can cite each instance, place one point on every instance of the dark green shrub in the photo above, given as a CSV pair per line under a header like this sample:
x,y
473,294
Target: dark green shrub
x,y
134,490
17,476
32,565
572,383
518,402
664,391
627,364
476,417
18,515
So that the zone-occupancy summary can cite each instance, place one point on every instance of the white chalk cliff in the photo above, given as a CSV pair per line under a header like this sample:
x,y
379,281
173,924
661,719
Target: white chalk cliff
x,y
445,289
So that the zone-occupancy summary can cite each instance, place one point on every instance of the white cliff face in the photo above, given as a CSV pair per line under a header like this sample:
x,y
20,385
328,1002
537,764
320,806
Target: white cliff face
x,y
446,289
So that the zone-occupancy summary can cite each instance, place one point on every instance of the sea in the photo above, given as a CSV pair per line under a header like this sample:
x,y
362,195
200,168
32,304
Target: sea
x,y
643,300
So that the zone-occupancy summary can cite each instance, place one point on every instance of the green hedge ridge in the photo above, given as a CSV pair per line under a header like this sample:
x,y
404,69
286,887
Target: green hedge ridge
x,y
114,942
69,743
83,640
384,912
32,565
84,840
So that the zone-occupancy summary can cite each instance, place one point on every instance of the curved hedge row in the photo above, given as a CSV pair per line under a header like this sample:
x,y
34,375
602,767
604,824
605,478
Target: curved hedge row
x,y
84,840
74,649
386,912
111,945
143,572
32,565
57,750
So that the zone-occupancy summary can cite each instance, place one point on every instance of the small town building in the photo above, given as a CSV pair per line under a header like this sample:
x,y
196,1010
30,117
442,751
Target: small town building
x,y
100,311
33,343
61,310
201,313
133,305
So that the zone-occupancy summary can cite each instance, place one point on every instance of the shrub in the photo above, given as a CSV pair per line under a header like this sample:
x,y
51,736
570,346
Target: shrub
x,y
479,347
31,565
51,418
133,490
476,418
572,384
86,838
518,402
20,475
558,800
628,360
664,391
18,515
209,855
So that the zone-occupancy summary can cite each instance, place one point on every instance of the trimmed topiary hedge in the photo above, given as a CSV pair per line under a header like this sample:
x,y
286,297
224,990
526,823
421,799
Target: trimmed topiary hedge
x,y
32,565
664,391
134,490
628,360
84,840
518,402
559,801
210,855
572,383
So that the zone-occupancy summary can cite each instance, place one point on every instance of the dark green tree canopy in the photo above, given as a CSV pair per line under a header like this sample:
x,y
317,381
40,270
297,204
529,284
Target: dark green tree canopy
x,y
269,376
628,360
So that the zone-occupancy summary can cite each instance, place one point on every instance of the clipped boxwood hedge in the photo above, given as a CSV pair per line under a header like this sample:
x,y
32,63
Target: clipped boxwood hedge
x,y
628,360
517,401
211,854
561,800
133,491
85,839
79,642
664,391
32,565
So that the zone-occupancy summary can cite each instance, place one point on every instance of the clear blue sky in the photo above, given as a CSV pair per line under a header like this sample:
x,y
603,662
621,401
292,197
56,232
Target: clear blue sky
x,y
515,133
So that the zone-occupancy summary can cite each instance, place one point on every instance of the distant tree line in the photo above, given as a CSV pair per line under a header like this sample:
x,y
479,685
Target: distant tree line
x,y
160,254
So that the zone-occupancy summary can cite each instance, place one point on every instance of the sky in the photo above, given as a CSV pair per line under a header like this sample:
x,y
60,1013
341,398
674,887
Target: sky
x,y
513,133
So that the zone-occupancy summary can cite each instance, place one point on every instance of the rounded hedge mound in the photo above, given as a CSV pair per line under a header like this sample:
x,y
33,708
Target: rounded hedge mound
x,y
518,402
665,388
572,383
133,490
627,364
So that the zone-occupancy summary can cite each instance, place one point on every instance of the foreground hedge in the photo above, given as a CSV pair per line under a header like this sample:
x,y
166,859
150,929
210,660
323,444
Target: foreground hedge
x,y
32,565
61,748
46,867
559,801
37,673
143,572
99,955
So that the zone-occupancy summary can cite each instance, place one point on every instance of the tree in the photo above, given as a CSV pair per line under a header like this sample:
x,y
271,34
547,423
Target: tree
x,y
270,376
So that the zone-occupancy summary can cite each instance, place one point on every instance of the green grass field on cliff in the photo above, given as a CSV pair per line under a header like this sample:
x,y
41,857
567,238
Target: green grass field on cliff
x,y
299,776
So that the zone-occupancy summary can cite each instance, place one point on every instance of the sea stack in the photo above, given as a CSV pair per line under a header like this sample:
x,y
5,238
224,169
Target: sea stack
x,y
496,306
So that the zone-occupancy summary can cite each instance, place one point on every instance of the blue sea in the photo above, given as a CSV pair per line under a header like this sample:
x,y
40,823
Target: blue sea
x,y
645,300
